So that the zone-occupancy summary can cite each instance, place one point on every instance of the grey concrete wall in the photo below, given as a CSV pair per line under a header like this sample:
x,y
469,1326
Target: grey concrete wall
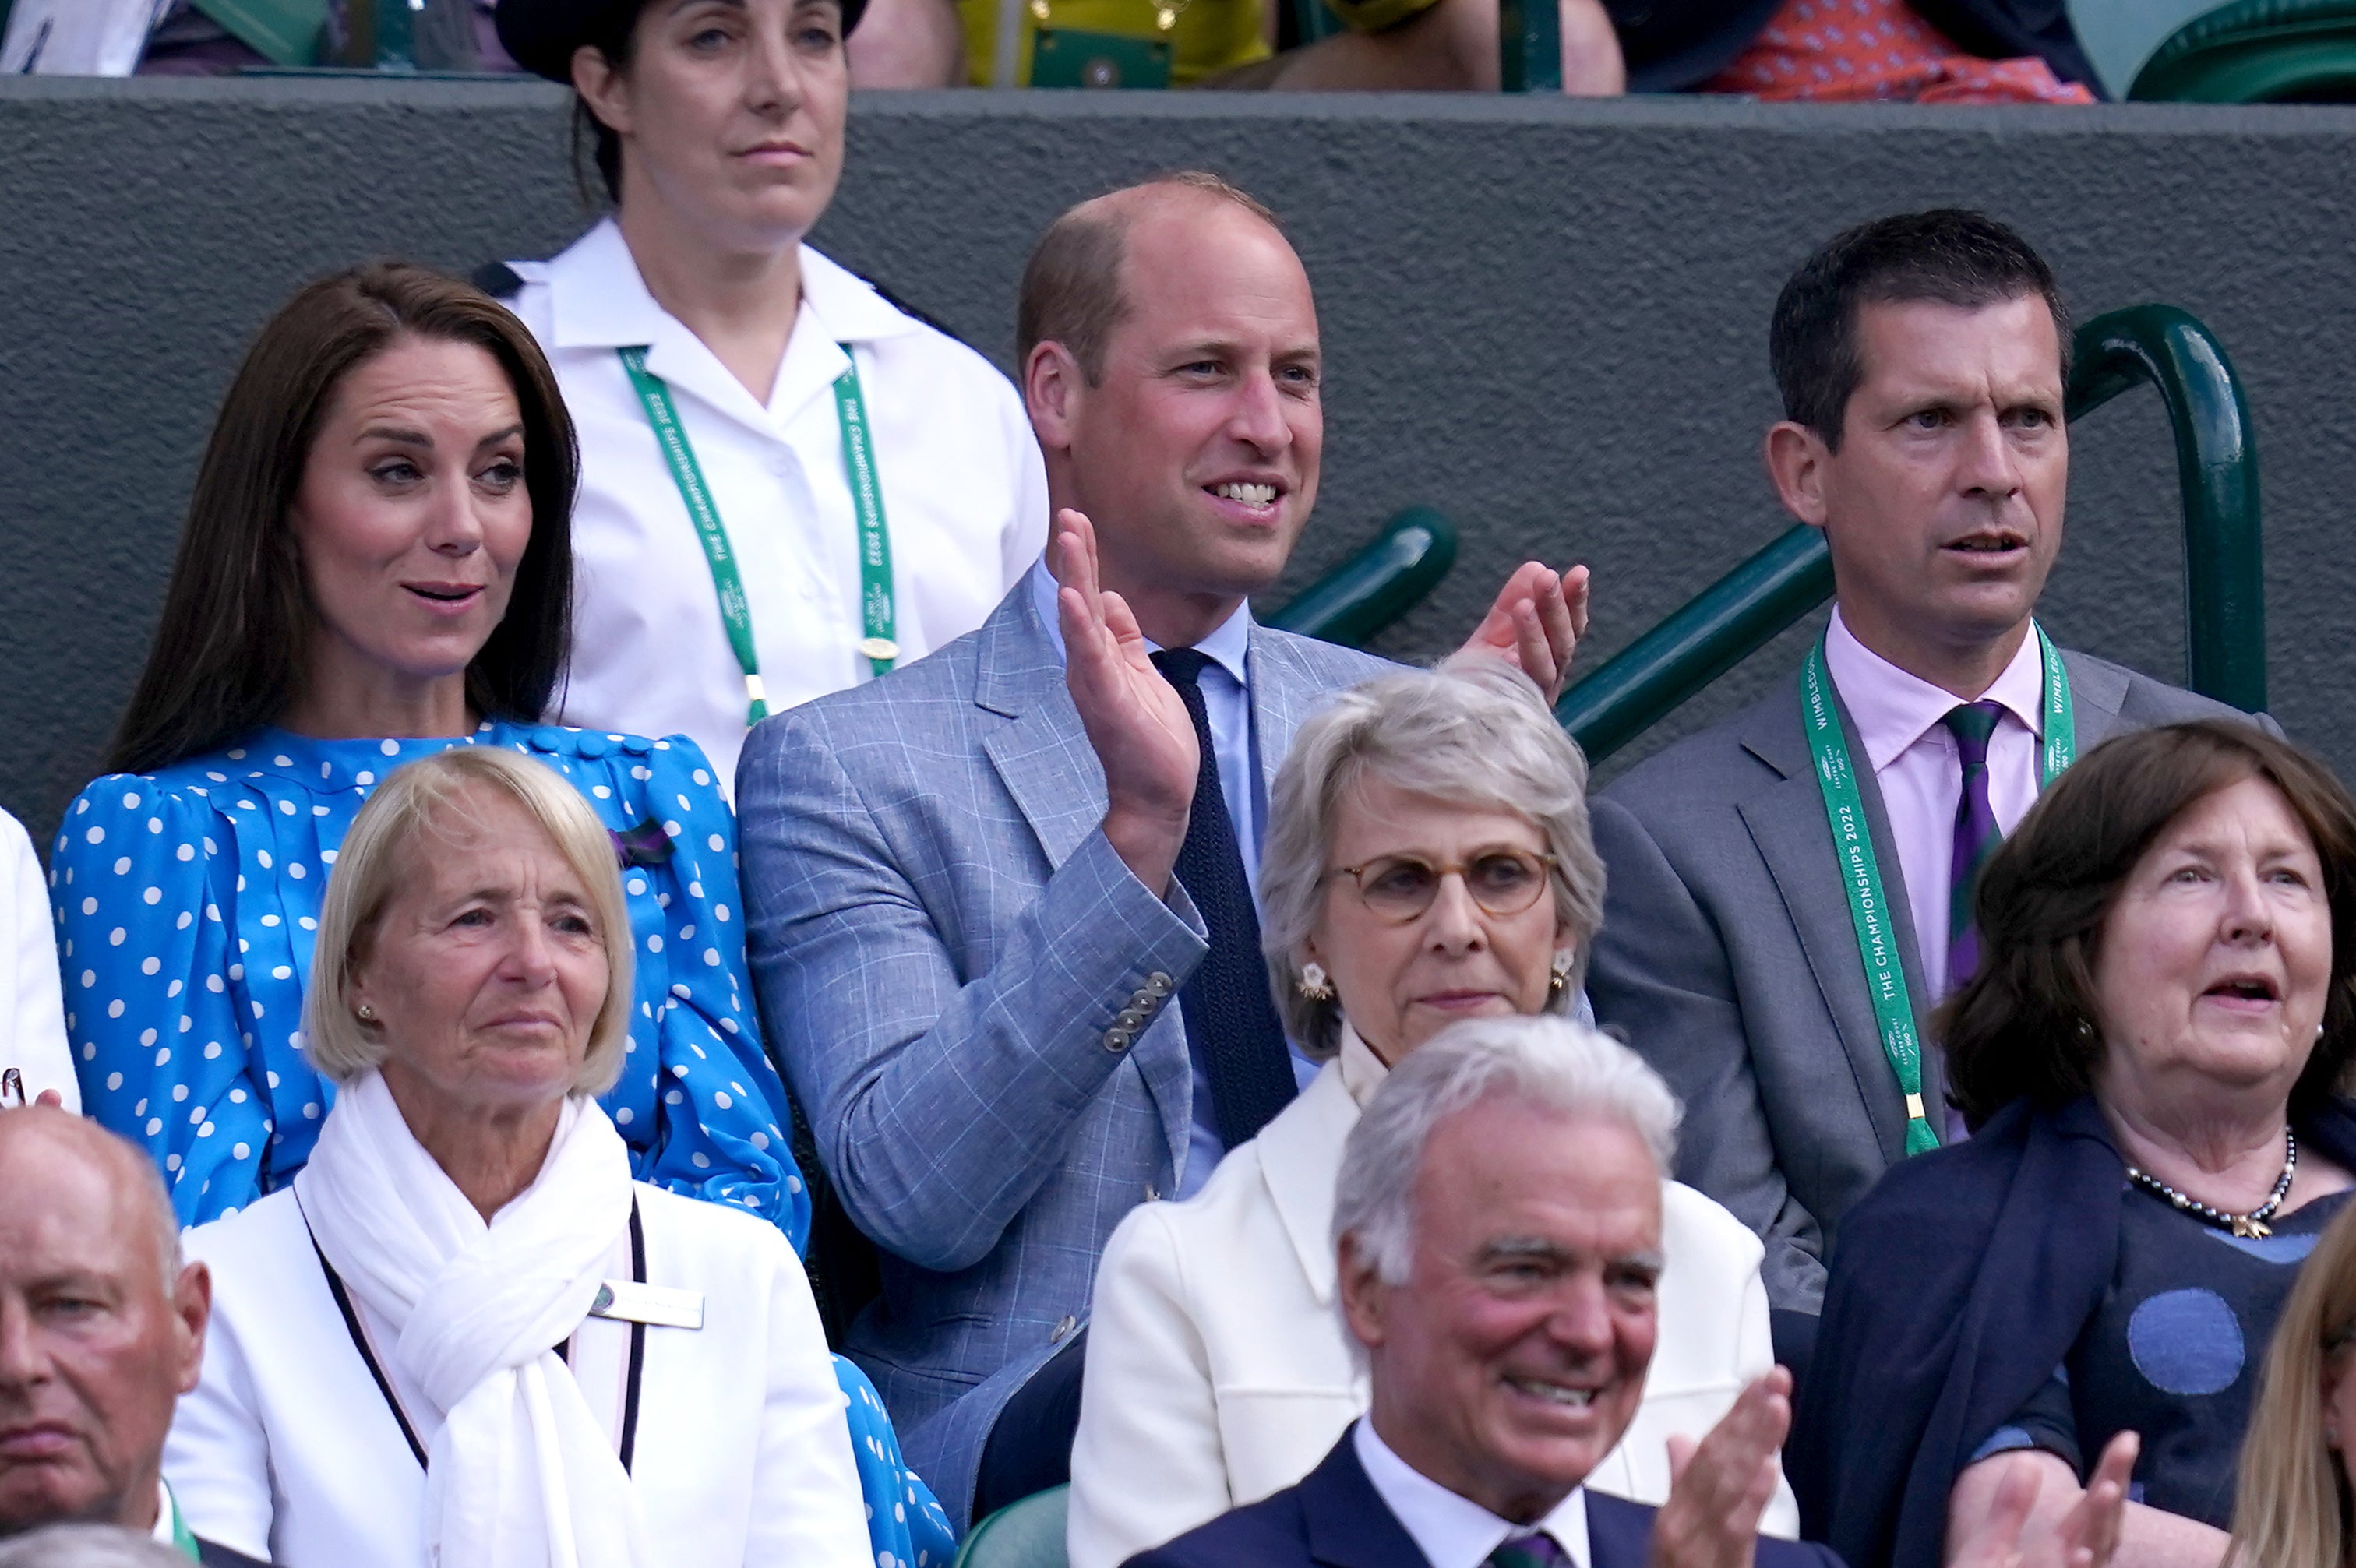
x,y
1545,318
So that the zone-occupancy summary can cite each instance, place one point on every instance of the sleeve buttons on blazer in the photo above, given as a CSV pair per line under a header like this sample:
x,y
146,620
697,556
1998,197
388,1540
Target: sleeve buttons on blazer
x,y
1116,1039
1063,1330
1159,984
1131,1020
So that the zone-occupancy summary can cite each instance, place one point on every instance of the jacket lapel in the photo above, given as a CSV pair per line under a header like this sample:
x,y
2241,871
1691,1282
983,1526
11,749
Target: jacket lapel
x,y
1283,690
1299,1153
2097,692
1787,824
1346,1520
1042,754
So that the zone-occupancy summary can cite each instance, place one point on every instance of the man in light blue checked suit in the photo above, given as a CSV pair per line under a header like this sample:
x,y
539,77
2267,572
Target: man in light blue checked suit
x,y
973,913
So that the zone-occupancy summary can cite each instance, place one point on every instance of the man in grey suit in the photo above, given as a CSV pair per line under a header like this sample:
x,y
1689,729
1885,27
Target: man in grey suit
x,y
976,888
1922,360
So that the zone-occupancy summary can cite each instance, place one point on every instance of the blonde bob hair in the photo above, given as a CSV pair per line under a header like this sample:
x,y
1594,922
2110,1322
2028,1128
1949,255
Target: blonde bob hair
x,y
2291,1508
413,813
1477,733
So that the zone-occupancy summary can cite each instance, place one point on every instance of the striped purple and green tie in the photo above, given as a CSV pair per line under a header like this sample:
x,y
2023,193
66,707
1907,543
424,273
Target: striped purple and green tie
x,y
1535,1550
1975,835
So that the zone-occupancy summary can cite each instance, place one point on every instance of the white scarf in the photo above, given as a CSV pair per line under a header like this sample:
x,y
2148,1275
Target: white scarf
x,y
520,1474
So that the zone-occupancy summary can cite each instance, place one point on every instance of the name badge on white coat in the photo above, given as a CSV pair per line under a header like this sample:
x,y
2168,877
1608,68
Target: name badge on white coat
x,y
630,1301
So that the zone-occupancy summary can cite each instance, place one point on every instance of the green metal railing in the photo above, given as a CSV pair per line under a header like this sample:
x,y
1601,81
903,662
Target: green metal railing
x,y
1530,45
2217,472
1378,585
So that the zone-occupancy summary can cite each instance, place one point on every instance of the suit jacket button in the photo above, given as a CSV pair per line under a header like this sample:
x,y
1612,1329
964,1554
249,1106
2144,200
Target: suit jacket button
x,y
1157,983
1131,1020
1153,1193
1063,1330
1116,1040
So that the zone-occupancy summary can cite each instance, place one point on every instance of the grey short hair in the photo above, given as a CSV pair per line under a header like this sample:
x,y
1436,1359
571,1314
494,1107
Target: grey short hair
x,y
1479,733
1546,1063
87,1546
390,833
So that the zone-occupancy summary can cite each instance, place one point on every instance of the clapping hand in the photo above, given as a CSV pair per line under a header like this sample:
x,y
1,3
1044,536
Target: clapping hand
x,y
1721,1485
1537,622
1135,719
2087,1535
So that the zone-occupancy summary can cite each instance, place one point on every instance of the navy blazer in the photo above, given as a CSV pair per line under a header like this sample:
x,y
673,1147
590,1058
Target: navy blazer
x,y
1672,46
1959,1282
1334,1516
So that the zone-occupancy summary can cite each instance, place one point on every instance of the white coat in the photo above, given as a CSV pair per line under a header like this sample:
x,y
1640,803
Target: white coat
x,y
287,1450
965,496
1218,1371
32,1010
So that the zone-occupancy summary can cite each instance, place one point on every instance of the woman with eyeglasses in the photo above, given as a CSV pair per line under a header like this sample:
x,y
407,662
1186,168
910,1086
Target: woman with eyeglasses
x,y
1427,859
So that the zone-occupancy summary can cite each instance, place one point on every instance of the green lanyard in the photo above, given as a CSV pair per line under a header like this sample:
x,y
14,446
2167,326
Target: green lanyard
x,y
866,501
1868,904
184,1540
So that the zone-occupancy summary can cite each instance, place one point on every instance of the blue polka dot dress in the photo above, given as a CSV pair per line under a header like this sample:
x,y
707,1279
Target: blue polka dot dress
x,y
187,903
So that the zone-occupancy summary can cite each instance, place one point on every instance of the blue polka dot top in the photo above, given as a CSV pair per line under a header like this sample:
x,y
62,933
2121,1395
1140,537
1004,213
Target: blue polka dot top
x,y
187,901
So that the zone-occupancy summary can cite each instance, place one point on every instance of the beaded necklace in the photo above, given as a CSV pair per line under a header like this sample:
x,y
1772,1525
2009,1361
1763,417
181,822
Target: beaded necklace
x,y
2252,1223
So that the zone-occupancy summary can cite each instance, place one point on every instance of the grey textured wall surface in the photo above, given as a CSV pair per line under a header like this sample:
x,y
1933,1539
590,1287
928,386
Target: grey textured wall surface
x,y
1547,318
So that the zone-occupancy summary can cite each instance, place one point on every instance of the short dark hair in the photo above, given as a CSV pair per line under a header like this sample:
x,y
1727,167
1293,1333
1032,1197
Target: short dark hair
x,y
1948,256
229,653
2027,1024
1071,286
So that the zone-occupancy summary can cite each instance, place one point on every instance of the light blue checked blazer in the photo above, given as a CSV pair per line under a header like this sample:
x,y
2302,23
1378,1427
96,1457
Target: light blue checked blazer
x,y
944,943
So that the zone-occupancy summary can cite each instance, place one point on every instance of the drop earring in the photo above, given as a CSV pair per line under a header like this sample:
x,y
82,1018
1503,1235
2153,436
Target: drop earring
x,y
1313,984
1559,975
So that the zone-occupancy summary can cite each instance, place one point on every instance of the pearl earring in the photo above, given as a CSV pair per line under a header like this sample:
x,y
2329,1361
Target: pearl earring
x,y
367,1013
1559,975
1313,984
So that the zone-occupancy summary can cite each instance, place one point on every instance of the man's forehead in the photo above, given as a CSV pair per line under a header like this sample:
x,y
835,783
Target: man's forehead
x,y
1929,346
1218,269
73,1198
1500,1171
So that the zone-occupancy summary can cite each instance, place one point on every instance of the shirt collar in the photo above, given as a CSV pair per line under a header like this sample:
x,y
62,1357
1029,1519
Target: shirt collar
x,y
1228,645
1362,1071
599,300
1894,708
1455,1531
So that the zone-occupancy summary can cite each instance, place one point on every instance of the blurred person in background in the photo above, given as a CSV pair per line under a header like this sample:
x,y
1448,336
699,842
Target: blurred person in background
x,y
789,486
2292,1507
35,1062
89,1546
1427,860
2149,1058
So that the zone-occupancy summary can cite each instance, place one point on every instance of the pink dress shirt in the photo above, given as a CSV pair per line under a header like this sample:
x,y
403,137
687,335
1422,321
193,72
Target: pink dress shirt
x,y
1913,758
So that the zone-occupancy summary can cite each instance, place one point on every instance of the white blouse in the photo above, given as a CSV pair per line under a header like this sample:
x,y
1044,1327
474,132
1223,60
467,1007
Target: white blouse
x,y
288,1450
32,1010
964,491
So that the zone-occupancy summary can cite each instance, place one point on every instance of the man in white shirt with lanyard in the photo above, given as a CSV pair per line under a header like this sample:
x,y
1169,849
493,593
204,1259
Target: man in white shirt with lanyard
x,y
101,1329
1789,889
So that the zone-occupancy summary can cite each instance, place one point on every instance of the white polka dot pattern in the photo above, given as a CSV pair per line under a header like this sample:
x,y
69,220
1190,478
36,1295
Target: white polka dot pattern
x,y
158,875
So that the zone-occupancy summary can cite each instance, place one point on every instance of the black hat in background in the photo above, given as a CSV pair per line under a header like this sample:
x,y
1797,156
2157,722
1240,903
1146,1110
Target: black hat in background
x,y
541,34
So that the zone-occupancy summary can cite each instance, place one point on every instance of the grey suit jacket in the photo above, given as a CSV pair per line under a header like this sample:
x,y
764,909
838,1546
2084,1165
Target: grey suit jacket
x,y
972,999
1729,956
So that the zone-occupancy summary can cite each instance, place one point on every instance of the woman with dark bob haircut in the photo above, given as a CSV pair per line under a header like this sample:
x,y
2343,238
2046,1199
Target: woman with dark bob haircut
x,y
2150,1059
377,567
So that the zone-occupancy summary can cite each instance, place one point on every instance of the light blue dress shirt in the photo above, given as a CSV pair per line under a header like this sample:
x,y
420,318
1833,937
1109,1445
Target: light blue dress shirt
x,y
1227,704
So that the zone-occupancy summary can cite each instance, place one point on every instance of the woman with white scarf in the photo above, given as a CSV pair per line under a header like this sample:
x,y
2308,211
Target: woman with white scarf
x,y
464,1336
1428,859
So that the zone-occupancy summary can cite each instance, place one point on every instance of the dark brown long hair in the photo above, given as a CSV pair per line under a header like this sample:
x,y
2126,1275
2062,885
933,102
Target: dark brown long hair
x,y
2027,1023
229,653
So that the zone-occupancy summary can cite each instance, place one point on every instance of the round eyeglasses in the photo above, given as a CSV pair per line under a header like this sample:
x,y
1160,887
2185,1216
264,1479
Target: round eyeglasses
x,y
1400,888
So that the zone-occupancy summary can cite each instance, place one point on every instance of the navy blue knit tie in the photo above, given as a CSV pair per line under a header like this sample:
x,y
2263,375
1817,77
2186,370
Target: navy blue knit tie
x,y
1229,1014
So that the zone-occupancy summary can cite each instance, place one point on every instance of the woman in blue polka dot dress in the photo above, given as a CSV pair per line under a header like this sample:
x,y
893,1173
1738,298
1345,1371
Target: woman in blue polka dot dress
x,y
2151,1058
377,547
